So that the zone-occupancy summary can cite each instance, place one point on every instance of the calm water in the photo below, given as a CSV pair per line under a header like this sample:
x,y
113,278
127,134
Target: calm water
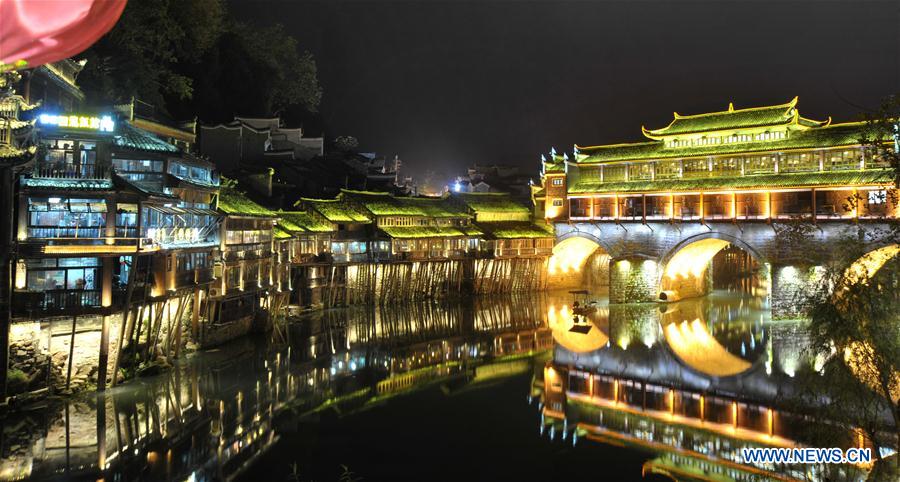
x,y
454,391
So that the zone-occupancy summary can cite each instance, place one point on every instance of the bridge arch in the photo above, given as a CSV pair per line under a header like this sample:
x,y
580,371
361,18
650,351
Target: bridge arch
x,y
866,266
684,269
579,259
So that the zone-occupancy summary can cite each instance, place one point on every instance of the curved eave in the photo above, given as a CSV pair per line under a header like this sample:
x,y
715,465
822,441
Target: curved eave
x,y
657,134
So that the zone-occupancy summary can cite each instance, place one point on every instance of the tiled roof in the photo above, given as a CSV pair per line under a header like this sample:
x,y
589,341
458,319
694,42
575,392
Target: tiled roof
x,y
231,201
385,204
514,230
409,232
301,221
730,119
131,137
494,206
836,135
338,211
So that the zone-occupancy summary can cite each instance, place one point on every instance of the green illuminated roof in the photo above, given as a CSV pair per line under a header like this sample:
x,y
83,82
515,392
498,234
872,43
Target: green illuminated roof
x,y
384,204
783,180
409,232
732,118
234,202
302,221
552,167
131,137
338,211
494,206
837,135
515,230
281,233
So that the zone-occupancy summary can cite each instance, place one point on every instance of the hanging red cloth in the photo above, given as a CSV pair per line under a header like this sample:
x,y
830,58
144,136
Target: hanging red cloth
x,y
44,31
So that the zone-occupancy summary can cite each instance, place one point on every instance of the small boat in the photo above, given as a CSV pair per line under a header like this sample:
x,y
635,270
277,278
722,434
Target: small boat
x,y
581,308
583,305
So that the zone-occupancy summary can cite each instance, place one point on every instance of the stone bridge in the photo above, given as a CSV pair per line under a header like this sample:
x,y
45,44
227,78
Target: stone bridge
x,y
644,262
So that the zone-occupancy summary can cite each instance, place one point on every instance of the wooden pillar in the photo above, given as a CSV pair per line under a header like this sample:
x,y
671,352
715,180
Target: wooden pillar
x,y
702,208
815,214
104,357
195,315
644,208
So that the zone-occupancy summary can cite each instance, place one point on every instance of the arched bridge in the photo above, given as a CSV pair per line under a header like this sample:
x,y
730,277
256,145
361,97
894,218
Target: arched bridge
x,y
643,262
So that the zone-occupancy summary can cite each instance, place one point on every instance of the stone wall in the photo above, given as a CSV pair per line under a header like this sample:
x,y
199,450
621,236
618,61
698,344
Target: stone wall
x,y
633,281
792,285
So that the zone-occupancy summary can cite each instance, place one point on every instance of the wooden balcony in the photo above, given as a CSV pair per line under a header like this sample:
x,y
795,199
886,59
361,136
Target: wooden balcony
x,y
63,302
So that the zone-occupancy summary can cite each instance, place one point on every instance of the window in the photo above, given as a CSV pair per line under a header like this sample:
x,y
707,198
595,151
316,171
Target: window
x,y
613,173
53,217
640,171
63,273
696,168
726,166
798,162
842,160
668,170
759,165
558,181
557,202
877,197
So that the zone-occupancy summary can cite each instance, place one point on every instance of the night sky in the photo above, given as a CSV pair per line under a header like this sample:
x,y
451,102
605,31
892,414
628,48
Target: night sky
x,y
446,84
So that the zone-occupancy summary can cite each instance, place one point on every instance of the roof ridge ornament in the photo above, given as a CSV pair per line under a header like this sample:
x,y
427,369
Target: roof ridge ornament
x,y
731,107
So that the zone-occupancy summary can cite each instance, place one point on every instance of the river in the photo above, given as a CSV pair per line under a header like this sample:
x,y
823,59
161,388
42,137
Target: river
x,y
439,391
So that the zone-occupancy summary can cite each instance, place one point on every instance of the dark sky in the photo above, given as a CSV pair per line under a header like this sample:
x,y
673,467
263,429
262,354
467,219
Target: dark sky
x,y
446,84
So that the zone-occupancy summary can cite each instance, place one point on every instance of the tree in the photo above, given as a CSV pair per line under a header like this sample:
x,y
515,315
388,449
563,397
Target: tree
x,y
190,58
144,54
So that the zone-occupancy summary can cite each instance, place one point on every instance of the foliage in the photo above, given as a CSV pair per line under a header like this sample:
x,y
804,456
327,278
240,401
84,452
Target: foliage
x,y
854,332
884,125
346,143
191,57
16,380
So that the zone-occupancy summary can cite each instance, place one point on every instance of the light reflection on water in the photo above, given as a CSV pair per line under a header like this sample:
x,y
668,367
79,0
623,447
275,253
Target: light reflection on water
x,y
216,411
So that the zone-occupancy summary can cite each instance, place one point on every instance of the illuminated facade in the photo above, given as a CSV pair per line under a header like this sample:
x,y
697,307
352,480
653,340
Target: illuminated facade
x,y
648,219
762,163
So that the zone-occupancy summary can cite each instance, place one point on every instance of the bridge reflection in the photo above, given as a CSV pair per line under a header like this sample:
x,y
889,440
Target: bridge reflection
x,y
695,382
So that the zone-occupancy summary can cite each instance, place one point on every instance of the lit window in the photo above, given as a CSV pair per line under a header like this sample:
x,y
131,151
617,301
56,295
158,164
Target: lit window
x,y
558,181
557,202
877,197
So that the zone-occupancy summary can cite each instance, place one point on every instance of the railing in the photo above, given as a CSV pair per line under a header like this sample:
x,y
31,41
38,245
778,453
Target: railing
x,y
70,171
66,232
62,300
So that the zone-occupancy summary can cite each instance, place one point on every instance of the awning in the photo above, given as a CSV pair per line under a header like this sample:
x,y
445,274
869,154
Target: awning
x,y
202,212
167,209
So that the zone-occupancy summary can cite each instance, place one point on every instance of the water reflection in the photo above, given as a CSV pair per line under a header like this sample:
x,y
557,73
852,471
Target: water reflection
x,y
668,378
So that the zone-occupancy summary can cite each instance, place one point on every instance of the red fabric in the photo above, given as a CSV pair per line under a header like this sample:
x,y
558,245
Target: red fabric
x,y
44,31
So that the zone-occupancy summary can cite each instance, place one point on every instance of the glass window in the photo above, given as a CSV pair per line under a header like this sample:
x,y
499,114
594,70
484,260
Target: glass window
x,y
614,173
759,164
640,171
726,166
695,168
668,169
798,162
842,159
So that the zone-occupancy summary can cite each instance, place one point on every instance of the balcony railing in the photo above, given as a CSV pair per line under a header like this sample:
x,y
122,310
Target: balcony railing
x,y
32,303
70,171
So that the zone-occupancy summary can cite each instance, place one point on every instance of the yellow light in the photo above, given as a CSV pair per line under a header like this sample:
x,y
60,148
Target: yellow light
x,y
692,259
84,249
693,345
771,420
865,267
20,274
570,255
734,414
671,401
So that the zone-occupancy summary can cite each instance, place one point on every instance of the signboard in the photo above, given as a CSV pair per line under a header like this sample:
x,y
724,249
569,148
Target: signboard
x,y
72,121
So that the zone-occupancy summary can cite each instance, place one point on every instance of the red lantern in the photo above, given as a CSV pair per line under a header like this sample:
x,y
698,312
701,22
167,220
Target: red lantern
x,y
33,33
